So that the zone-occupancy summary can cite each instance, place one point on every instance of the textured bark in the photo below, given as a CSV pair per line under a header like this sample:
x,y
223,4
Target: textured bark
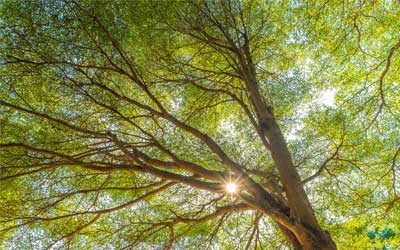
x,y
317,241
307,234
290,237
307,239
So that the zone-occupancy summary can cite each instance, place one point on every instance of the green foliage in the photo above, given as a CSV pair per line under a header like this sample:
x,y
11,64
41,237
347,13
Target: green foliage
x,y
80,62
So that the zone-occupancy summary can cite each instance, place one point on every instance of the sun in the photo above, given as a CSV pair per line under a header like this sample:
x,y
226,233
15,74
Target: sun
x,y
231,187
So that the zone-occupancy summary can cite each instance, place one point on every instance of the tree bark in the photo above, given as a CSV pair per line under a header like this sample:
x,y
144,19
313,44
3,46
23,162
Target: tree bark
x,y
307,234
307,239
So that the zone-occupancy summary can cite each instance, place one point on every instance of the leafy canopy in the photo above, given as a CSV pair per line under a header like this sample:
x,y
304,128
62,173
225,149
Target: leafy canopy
x,y
100,103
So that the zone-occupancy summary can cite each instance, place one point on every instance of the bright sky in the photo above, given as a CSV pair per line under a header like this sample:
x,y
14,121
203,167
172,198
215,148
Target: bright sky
x,y
327,97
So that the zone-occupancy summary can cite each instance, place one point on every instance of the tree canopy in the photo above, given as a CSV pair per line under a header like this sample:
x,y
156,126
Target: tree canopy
x,y
199,124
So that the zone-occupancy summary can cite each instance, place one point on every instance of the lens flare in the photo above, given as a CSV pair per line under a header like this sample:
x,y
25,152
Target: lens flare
x,y
231,187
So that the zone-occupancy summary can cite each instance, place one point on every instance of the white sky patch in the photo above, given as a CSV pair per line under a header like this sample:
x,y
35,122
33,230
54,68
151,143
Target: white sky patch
x,y
292,135
327,97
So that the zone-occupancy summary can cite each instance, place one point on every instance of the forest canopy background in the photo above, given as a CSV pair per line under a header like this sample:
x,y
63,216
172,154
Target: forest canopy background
x,y
121,122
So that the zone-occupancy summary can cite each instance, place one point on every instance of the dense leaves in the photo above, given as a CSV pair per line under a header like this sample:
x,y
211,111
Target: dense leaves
x,y
122,121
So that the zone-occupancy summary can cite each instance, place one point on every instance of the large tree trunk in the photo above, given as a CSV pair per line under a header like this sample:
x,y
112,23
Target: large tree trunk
x,y
306,234
308,239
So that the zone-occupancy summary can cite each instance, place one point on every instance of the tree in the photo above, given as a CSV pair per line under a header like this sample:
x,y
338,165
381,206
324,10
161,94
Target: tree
x,y
123,123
